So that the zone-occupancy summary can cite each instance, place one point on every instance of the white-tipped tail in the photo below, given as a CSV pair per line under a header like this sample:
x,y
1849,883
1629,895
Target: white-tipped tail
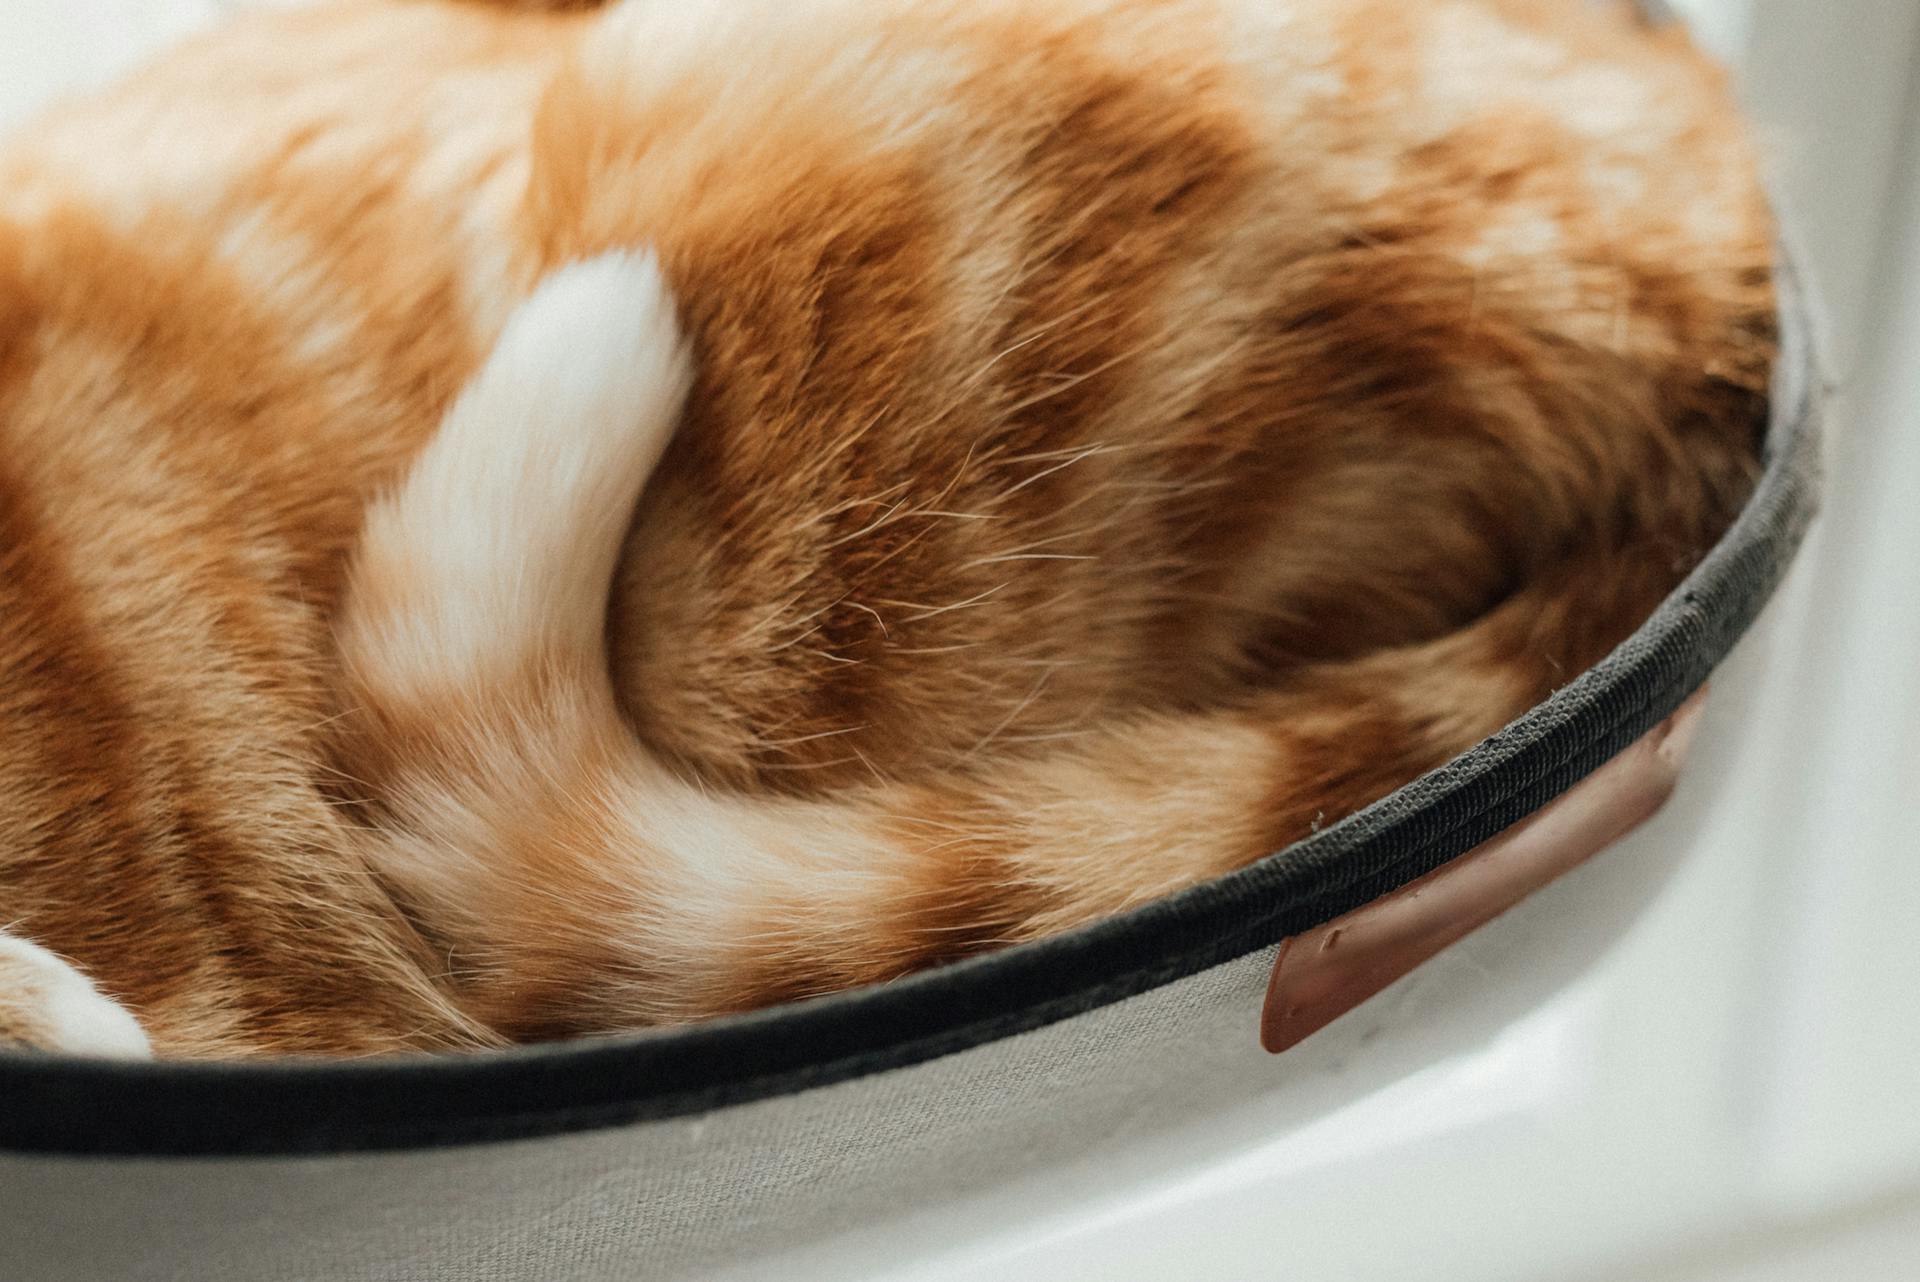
x,y
503,541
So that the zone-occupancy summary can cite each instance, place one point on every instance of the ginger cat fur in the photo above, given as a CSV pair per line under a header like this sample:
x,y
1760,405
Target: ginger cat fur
x,y
529,520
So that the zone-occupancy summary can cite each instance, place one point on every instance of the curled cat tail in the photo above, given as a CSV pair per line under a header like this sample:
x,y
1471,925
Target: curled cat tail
x,y
471,640
493,563
578,885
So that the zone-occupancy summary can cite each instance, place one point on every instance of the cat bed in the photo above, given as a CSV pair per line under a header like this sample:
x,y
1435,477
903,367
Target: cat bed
x,y
673,1154
669,1153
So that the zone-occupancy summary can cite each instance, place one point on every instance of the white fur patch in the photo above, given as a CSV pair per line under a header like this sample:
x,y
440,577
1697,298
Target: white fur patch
x,y
84,1021
504,539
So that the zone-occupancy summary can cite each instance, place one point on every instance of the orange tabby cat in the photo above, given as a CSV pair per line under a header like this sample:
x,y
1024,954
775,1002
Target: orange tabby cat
x,y
1040,454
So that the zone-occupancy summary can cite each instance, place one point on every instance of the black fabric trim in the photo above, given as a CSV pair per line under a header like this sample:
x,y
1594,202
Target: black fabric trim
x,y
52,1105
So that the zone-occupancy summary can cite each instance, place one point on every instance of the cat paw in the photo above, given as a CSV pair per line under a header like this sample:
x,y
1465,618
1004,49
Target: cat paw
x,y
46,1004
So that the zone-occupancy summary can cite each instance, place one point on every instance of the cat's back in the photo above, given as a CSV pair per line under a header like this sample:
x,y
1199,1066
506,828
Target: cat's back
x,y
359,86
1032,333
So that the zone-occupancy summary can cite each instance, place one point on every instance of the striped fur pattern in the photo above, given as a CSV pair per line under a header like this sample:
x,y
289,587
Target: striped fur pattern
x,y
525,520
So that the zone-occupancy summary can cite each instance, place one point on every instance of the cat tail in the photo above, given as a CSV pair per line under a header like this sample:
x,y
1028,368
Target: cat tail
x,y
577,884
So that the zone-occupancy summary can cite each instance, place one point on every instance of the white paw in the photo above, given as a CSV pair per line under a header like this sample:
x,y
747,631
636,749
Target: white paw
x,y
49,1005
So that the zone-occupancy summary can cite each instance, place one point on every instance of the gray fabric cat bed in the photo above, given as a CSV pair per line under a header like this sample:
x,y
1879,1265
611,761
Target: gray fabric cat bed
x,y
671,1154
663,1154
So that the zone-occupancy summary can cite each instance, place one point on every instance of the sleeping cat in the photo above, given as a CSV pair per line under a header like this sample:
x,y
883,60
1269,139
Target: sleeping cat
x,y
530,520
